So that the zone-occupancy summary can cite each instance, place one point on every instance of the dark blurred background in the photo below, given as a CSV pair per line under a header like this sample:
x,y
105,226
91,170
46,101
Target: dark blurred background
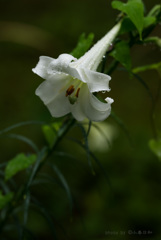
x,y
132,200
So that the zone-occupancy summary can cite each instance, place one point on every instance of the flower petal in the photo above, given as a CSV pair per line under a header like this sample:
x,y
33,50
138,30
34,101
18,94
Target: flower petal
x,y
76,110
61,64
93,57
42,66
94,109
59,106
96,81
50,88
76,72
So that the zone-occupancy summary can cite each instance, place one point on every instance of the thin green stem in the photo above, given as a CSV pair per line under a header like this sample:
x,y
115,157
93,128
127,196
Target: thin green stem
x,y
42,158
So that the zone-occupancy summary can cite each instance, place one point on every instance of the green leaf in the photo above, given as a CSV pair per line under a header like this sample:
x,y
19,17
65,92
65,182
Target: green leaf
x,y
127,26
17,164
134,10
84,43
122,54
4,199
51,132
155,11
149,20
155,146
155,66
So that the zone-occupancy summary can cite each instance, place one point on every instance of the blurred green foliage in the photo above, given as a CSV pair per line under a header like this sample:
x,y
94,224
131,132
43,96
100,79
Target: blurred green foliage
x,y
134,10
5,199
84,43
20,162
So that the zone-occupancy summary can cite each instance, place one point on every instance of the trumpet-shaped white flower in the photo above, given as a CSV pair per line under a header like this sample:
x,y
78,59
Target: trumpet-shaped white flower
x,y
70,82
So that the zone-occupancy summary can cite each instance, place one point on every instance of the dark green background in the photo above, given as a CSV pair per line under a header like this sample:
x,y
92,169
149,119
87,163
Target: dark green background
x,y
31,28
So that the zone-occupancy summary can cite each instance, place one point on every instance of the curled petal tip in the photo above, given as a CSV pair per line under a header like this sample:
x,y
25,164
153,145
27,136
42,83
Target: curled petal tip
x,y
109,100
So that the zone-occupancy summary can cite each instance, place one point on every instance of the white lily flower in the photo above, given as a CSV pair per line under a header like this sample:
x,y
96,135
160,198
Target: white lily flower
x,y
70,82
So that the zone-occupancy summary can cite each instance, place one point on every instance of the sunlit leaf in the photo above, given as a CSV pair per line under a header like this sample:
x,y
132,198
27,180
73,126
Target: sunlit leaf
x,y
155,146
122,54
4,199
84,43
134,10
19,163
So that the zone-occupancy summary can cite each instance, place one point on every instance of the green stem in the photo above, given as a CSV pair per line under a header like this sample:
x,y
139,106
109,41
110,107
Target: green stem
x,y
135,40
45,153
48,152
